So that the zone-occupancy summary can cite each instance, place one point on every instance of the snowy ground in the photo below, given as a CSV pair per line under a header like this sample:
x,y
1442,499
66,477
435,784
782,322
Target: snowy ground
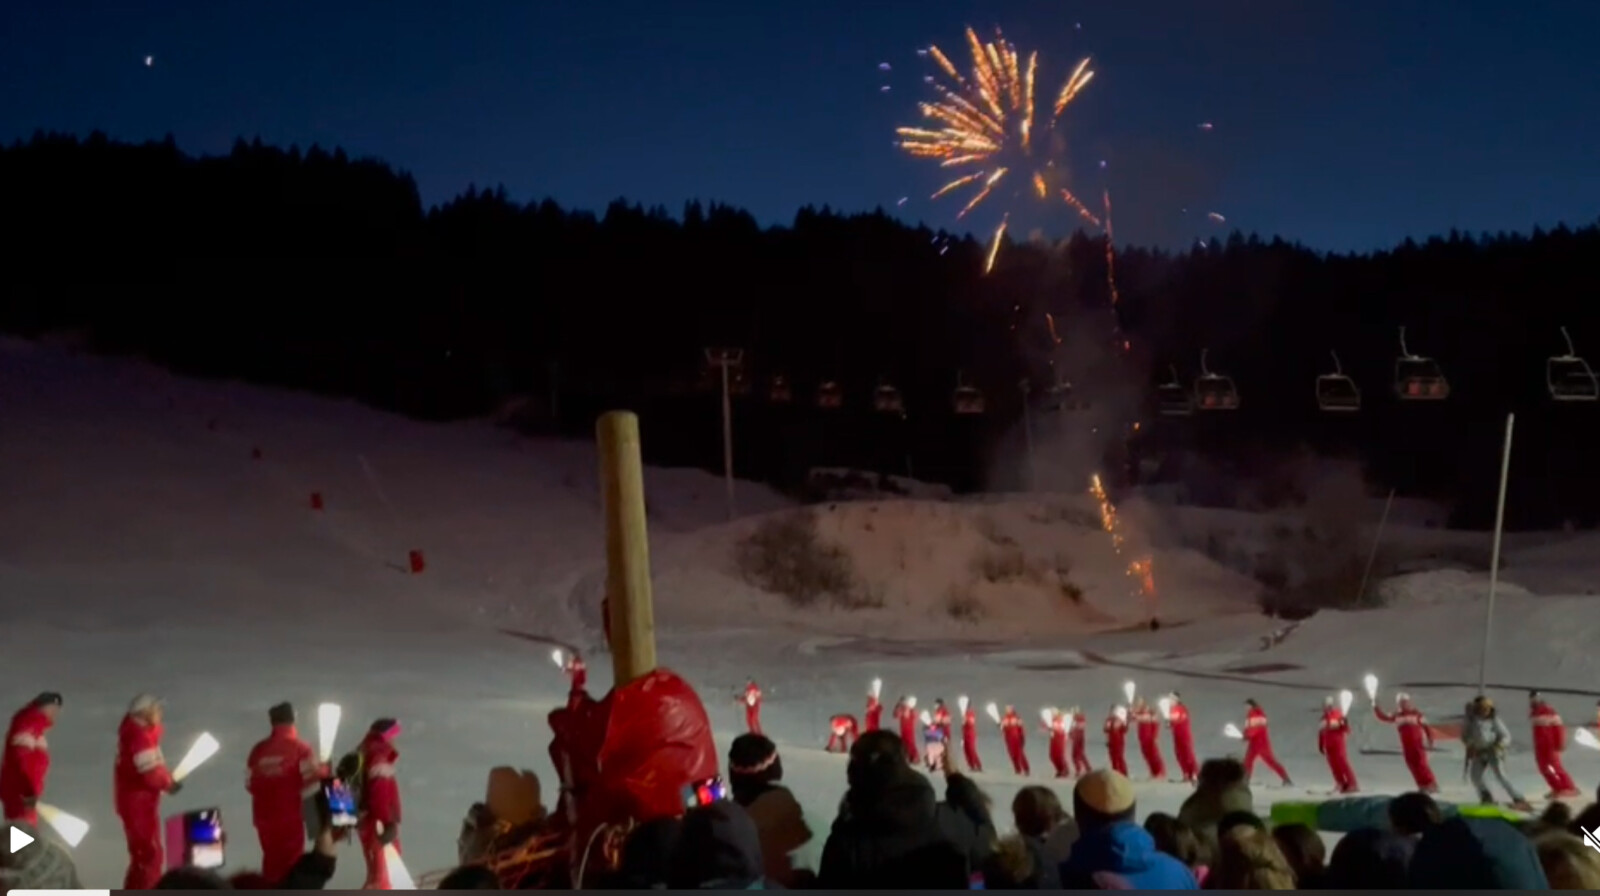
x,y
142,548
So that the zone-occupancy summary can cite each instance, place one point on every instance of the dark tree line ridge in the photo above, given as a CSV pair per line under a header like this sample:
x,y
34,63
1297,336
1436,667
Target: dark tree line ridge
x,y
315,270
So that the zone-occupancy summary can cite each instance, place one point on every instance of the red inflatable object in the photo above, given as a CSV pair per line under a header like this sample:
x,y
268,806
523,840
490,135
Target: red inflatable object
x,y
415,561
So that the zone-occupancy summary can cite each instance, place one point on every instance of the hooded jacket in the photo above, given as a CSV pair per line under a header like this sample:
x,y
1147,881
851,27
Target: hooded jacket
x,y
1485,736
1123,856
887,837
1475,854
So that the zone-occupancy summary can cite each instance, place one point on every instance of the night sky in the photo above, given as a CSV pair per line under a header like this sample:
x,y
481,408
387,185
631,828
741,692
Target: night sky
x,y
1344,125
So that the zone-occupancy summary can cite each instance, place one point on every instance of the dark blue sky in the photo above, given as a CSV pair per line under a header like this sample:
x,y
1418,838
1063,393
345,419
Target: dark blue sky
x,y
1345,125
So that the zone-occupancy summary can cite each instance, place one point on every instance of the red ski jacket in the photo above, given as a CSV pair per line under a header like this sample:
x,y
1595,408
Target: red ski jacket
x,y
283,772
26,760
380,793
141,772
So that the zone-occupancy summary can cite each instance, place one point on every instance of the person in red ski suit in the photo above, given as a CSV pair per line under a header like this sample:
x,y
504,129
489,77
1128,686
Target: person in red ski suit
x,y
841,733
874,715
1416,738
1183,739
752,707
1116,729
1149,722
577,678
1549,739
1057,729
969,739
26,761
1258,743
1015,735
905,712
1331,744
379,821
1078,738
283,774
141,777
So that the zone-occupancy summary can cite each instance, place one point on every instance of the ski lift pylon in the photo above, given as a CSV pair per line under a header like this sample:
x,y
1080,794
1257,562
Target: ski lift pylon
x,y
1213,391
967,399
1337,392
1569,377
1173,400
1418,378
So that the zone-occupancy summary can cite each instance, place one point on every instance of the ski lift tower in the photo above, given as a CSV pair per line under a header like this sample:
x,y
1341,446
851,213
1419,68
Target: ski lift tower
x,y
729,361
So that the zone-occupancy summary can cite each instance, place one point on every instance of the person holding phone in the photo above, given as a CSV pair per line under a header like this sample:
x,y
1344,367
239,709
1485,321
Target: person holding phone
x,y
283,773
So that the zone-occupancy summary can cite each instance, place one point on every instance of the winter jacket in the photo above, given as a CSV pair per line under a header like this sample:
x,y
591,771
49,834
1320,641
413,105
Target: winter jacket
x,y
782,825
1206,807
25,762
44,865
1123,856
141,775
1475,854
1485,736
887,837
1049,852
380,793
311,871
964,820
717,848
283,772
1367,859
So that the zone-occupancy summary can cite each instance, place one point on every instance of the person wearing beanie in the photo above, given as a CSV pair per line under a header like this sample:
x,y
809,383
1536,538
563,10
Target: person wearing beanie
x,y
717,847
1112,851
754,770
379,824
25,762
283,772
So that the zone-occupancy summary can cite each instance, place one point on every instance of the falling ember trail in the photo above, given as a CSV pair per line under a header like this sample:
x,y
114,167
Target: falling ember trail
x,y
994,247
1142,569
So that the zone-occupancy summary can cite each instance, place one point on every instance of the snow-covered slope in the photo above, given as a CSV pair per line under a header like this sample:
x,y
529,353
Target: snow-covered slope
x,y
143,547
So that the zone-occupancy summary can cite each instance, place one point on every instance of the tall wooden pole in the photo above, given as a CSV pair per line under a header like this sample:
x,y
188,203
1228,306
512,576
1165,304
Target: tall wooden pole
x,y
632,616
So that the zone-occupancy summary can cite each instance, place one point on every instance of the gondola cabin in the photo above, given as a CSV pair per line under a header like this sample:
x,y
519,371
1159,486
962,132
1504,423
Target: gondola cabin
x,y
886,400
1337,393
1570,379
967,400
1215,392
1173,400
779,391
829,396
1420,379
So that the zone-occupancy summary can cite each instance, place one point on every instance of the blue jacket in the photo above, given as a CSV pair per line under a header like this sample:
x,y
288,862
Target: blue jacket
x,y
1124,851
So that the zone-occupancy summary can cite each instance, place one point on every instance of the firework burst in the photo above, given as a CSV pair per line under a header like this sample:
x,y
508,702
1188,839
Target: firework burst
x,y
984,126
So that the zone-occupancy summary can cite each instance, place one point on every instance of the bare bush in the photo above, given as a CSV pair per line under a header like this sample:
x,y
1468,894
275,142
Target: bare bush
x,y
1001,564
962,604
786,555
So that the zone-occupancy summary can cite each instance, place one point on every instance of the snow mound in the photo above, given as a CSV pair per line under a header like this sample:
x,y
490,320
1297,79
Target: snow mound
x,y
1443,586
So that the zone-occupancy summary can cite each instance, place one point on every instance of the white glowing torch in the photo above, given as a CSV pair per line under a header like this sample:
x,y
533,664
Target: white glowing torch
x,y
1047,715
1586,738
1128,691
1345,699
877,688
1066,722
911,702
1371,684
328,716
962,703
1121,713
1165,703
559,657
926,717
399,877
71,828
1232,731
205,747
993,709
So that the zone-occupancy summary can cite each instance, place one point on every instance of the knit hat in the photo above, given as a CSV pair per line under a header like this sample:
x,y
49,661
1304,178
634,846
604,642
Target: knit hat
x,y
1105,791
48,698
386,727
143,703
282,714
751,754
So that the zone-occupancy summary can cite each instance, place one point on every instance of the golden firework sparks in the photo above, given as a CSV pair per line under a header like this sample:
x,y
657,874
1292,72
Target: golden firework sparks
x,y
994,246
983,122
1142,569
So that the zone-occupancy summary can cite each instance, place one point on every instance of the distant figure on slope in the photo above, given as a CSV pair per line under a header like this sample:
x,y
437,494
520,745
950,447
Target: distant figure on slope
x,y
1078,738
1116,729
874,714
1549,740
969,735
841,733
1416,738
1331,744
1183,739
1149,723
25,762
141,779
751,698
577,678
1487,739
905,712
1056,726
1015,736
1258,743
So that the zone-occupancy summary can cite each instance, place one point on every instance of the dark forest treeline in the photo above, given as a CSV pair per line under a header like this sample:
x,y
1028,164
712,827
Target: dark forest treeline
x,y
315,270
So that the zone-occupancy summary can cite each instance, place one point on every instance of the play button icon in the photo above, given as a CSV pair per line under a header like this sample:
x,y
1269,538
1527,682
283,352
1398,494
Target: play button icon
x,y
19,839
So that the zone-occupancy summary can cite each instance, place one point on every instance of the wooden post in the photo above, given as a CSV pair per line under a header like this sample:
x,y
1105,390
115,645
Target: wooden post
x,y
632,622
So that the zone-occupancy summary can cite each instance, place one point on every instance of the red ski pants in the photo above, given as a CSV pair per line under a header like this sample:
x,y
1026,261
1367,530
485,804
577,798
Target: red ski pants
x,y
969,746
1417,761
1256,750
1080,759
839,743
1183,749
1150,748
1058,756
1344,777
372,851
141,824
752,718
908,736
1117,749
1018,756
1555,774
282,844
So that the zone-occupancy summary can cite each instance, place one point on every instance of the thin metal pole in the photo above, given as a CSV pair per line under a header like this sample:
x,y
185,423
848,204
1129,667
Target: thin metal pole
x,y
1494,556
1027,435
727,435
1372,557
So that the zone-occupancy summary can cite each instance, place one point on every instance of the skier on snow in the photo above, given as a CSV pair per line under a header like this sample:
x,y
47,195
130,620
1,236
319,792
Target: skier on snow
x,y
874,716
1183,739
905,712
378,824
1149,723
752,707
1258,743
26,761
1078,738
934,738
969,736
141,777
1331,744
1015,736
1487,739
1549,740
1056,727
1416,739
841,733
283,773
1116,729
577,678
